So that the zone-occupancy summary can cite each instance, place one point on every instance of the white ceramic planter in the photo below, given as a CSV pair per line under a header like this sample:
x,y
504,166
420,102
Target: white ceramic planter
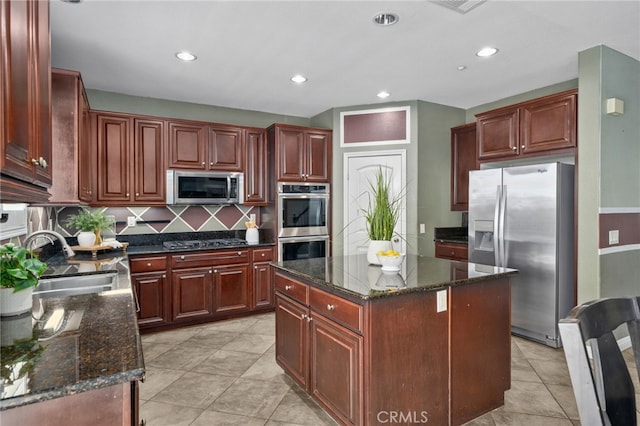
x,y
252,236
376,246
15,303
86,239
18,327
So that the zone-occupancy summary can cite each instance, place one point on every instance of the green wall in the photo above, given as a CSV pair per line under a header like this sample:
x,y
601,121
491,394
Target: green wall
x,y
117,102
609,169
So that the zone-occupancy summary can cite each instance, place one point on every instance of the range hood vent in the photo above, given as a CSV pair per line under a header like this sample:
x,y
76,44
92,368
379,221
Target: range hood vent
x,y
461,6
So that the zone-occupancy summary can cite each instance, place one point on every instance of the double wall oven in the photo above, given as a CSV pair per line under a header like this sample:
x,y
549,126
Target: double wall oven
x,y
303,220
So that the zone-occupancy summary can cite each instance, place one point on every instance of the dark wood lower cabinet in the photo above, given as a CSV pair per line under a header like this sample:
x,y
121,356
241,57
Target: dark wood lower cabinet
x,y
193,287
397,359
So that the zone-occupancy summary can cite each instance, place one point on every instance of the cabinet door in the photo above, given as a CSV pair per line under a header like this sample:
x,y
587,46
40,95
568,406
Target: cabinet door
x,y
291,157
338,350
262,285
151,295
464,156
114,155
231,289
453,251
187,143
86,163
226,149
191,293
291,339
149,168
255,172
318,162
548,124
498,134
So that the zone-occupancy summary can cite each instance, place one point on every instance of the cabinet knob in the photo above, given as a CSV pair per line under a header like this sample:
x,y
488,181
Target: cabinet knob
x,y
210,271
211,163
514,148
452,253
203,163
239,253
522,146
164,275
149,265
137,194
263,255
215,271
288,287
255,267
181,257
127,194
40,162
303,316
331,307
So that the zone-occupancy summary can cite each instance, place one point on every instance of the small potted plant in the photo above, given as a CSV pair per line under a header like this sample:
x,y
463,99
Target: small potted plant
x,y
90,223
381,215
20,272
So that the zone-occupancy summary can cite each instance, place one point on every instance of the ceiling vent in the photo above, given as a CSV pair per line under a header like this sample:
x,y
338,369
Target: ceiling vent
x,y
461,6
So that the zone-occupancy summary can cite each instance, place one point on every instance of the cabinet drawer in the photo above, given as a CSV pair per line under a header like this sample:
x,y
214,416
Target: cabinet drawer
x,y
209,258
336,308
262,255
451,251
293,289
148,264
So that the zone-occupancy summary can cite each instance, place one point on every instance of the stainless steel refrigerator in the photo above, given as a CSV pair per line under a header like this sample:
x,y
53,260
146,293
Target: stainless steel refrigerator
x,y
522,217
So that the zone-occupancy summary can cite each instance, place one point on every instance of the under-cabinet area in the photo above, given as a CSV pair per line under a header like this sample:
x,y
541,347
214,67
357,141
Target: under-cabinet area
x,y
185,288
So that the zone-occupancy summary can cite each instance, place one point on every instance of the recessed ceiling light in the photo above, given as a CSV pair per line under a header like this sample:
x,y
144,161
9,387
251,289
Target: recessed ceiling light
x,y
462,67
385,19
486,51
71,1
383,94
186,56
298,78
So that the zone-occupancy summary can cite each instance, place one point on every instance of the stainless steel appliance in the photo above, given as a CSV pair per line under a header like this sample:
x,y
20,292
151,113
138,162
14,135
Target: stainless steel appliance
x,y
203,187
303,247
303,209
522,217
303,220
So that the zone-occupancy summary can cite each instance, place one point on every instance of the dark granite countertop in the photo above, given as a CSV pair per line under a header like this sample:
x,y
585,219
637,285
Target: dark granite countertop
x,y
451,235
354,278
159,249
96,345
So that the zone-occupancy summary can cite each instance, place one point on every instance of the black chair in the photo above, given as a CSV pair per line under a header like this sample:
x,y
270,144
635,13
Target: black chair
x,y
602,386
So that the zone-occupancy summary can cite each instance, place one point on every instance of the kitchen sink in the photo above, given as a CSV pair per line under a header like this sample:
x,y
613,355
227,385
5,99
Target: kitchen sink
x,y
78,284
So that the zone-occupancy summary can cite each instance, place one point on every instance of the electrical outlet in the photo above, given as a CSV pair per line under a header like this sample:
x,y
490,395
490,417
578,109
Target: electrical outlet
x,y
614,236
131,221
441,301
422,228
252,217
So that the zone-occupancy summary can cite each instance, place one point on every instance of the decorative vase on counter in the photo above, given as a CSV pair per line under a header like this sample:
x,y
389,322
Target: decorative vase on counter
x,y
15,303
86,238
376,246
252,236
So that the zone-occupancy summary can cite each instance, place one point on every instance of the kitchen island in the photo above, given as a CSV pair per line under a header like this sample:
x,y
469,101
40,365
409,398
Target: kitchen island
x,y
430,344
74,359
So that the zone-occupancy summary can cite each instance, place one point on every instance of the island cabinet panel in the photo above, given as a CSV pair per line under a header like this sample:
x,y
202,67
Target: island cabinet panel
x,y
291,338
407,360
480,348
151,290
337,350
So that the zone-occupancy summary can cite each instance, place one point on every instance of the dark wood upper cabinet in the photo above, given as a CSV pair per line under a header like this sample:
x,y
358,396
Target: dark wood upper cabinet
x,y
130,163
72,161
302,154
464,157
226,149
25,149
187,143
255,176
541,126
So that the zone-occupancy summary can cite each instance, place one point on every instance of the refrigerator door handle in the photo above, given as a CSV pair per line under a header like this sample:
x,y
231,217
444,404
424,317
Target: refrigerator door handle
x,y
503,209
496,228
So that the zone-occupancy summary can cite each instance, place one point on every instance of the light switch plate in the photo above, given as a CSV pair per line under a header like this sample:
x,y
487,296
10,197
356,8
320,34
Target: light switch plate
x,y
614,236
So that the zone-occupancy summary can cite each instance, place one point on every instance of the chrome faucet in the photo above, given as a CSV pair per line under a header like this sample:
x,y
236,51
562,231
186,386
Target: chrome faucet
x,y
48,234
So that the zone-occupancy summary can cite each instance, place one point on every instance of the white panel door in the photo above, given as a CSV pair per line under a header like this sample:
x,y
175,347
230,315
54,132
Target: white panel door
x,y
359,170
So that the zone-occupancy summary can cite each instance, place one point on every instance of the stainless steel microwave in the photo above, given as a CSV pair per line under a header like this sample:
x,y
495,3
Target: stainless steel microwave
x,y
202,187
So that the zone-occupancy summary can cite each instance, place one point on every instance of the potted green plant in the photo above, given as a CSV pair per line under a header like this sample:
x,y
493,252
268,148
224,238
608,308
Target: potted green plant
x,y
381,215
90,223
20,272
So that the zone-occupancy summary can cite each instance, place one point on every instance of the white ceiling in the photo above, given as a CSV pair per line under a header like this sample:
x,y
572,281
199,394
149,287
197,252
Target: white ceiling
x,y
248,50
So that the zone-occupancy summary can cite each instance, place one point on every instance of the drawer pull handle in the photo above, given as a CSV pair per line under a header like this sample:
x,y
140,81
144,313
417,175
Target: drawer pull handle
x,y
288,287
149,264
331,307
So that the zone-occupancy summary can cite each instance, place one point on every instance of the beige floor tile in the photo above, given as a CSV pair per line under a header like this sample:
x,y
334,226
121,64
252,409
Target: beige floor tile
x,y
156,380
486,420
265,326
296,407
265,368
521,369
235,325
196,390
531,398
181,357
533,350
567,400
216,418
552,372
153,350
252,343
518,419
256,398
158,414
170,337
227,363
213,339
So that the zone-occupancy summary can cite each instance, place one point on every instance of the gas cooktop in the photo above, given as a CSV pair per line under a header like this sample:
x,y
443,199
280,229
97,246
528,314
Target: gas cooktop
x,y
202,244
